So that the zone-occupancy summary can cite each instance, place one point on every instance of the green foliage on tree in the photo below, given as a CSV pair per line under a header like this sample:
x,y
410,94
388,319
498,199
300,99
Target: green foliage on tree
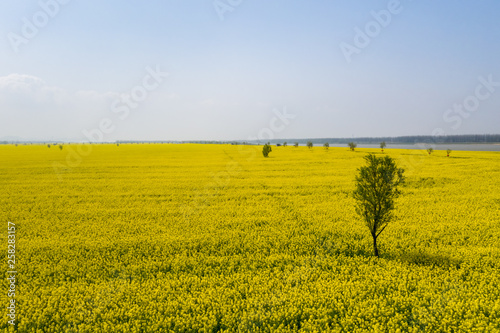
x,y
266,150
448,152
61,147
376,188
326,145
309,144
430,150
352,145
285,144
383,145
296,144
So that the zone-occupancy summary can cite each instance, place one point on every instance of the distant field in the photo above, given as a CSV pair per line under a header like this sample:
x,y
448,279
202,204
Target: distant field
x,y
208,238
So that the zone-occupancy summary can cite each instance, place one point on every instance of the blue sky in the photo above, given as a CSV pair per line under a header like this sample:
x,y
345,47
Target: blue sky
x,y
419,68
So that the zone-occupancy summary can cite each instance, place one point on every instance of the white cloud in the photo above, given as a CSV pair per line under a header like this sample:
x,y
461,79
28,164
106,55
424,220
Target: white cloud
x,y
28,88
19,82
30,108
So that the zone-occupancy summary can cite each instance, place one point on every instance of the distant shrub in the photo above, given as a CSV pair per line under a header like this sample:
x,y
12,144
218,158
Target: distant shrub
x,y
266,150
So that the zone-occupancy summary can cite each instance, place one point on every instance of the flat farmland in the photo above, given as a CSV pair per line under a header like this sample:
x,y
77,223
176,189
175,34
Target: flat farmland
x,y
217,238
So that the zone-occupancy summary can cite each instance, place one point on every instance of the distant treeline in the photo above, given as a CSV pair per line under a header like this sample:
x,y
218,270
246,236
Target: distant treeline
x,y
471,138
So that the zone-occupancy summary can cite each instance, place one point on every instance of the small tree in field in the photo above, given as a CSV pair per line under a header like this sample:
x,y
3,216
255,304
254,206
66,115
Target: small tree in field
x,y
285,144
430,150
266,150
376,188
61,147
296,144
382,145
326,145
448,152
309,144
352,145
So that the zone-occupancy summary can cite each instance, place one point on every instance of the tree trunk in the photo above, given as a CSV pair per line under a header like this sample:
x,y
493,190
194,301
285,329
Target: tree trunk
x,y
375,250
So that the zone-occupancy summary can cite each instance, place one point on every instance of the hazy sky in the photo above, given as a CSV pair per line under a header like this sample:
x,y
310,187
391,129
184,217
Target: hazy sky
x,y
97,70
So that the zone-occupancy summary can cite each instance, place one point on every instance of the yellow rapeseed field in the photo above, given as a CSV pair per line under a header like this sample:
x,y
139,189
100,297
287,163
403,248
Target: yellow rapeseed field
x,y
217,238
